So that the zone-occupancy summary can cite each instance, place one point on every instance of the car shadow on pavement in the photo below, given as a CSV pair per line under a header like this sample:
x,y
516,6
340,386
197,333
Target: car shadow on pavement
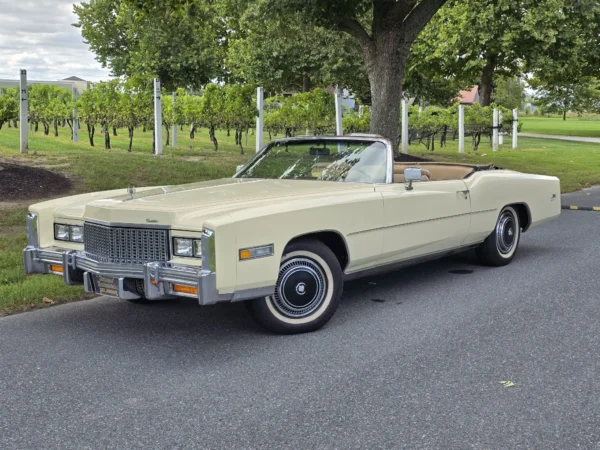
x,y
177,323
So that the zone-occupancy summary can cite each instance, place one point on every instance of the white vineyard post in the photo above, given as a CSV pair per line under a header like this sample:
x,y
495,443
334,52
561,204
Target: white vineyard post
x,y
260,103
461,128
339,129
404,134
495,132
515,128
158,150
174,127
500,135
24,128
75,118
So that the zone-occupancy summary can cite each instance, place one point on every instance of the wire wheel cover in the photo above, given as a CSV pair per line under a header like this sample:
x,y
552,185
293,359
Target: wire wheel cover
x,y
506,233
301,288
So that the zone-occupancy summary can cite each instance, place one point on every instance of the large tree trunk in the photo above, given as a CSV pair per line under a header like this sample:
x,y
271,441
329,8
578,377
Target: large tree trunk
x,y
395,26
305,83
487,82
386,63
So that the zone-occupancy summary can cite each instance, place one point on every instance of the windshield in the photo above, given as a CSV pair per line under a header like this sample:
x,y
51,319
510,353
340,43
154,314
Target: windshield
x,y
340,160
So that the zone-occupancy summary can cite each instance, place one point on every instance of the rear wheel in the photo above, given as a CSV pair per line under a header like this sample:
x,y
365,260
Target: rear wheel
x,y
500,247
307,293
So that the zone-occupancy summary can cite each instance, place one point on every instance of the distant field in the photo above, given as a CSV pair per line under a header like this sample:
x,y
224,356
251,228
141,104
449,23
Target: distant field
x,y
588,126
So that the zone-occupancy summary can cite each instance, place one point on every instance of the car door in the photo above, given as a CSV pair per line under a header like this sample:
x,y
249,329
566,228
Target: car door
x,y
432,217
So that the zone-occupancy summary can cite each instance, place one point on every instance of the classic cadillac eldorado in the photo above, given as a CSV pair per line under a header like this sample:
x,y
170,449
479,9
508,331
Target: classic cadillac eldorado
x,y
300,218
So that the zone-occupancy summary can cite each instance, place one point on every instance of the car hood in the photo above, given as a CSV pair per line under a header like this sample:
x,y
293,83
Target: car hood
x,y
190,204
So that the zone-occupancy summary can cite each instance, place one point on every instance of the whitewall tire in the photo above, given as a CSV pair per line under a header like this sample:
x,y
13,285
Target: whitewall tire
x,y
500,247
307,293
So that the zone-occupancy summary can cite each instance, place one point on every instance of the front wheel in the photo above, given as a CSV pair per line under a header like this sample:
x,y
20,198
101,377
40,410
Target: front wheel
x,y
500,247
307,293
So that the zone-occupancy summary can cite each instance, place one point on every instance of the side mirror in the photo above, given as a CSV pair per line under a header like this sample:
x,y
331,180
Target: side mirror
x,y
411,175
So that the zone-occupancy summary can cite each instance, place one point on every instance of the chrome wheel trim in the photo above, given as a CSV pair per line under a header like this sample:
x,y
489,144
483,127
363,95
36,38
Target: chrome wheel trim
x,y
301,288
328,296
507,232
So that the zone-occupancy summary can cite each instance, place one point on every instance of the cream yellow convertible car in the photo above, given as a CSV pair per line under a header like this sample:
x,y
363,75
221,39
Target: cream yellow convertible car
x,y
300,218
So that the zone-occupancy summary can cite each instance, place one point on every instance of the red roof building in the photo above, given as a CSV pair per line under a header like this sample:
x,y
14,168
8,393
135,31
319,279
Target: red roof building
x,y
469,97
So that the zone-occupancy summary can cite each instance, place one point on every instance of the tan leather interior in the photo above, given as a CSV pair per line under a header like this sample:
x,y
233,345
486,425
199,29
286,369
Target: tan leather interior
x,y
433,172
399,177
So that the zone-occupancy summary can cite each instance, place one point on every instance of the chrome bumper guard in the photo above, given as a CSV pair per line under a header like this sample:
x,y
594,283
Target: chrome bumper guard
x,y
158,277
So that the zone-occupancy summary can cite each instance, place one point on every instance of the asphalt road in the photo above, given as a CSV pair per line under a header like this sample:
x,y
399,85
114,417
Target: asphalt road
x,y
421,369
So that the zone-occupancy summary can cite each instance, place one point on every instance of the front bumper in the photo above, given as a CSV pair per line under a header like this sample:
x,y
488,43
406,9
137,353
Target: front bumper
x,y
152,280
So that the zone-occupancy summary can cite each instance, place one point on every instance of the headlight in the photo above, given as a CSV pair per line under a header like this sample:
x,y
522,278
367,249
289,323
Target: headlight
x,y
73,233
187,247
61,232
76,233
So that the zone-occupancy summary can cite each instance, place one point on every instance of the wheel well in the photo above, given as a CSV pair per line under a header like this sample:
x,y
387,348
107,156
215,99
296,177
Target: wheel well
x,y
524,214
331,239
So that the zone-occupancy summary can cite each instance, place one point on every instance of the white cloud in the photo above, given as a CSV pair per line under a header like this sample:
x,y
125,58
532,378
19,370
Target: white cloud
x,y
38,35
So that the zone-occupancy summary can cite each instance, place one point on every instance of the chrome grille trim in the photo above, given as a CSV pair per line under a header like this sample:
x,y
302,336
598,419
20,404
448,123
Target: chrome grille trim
x,y
125,245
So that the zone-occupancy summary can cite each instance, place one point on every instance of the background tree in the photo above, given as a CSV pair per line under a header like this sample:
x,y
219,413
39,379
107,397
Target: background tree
x,y
175,40
107,98
284,52
509,92
475,41
9,105
240,110
579,96
212,110
88,112
191,110
385,31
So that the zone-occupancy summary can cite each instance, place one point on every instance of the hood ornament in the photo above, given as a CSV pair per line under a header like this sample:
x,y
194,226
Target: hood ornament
x,y
131,192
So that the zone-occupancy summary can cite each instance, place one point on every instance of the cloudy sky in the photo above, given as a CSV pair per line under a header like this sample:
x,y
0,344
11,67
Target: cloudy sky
x,y
37,35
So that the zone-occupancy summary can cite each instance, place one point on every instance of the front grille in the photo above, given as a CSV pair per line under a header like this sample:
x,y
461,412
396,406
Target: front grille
x,y
125,245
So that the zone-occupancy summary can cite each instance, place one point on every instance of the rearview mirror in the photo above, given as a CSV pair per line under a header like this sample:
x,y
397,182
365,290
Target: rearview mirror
x,y
412,174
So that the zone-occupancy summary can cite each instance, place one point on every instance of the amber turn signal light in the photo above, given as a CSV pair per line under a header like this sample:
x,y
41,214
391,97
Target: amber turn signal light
x,y
185,289
56,268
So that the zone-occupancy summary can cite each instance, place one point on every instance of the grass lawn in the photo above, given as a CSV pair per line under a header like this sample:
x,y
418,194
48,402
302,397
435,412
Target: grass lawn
x,y
587,126
91,169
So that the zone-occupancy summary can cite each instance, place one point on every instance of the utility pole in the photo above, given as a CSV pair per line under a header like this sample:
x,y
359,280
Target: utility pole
x,y
75,118
157,119
461,128
339,129
174,128
515,128
495,132
404,135
260,119
24,145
